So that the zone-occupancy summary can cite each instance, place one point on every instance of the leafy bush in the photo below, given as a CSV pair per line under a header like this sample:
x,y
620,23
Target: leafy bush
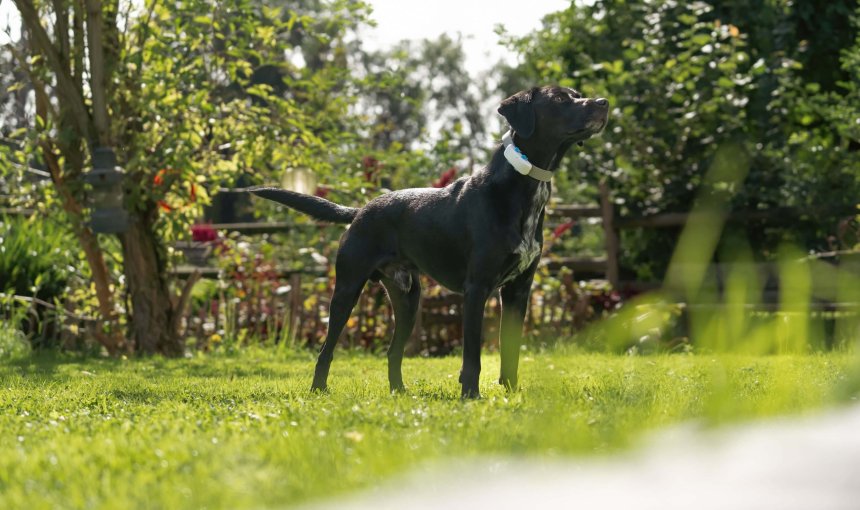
x,y
13,342
686,79
36,257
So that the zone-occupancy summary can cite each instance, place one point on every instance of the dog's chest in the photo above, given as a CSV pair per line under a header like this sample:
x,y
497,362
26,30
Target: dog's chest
x,y
528,244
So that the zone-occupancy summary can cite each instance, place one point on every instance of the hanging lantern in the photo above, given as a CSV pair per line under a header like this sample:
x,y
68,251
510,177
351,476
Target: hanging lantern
x,y
107,215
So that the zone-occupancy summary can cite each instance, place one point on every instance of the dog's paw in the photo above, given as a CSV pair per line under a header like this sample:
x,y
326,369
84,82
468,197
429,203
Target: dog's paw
x,y
319,388
470,393
509,384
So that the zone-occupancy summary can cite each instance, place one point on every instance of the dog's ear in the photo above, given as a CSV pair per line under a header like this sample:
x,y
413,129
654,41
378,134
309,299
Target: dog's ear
x,y
519,112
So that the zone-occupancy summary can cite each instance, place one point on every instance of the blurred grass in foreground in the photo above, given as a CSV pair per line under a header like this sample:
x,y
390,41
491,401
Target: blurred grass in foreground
x,y
726,313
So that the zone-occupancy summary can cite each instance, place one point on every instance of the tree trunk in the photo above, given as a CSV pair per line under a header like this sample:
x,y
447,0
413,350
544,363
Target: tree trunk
x,y
153,326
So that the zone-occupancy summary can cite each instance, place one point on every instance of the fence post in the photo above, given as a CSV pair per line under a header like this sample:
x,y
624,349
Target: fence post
x,y
413,344
607,210
295,305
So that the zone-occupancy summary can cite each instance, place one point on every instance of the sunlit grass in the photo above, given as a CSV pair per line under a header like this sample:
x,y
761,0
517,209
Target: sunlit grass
x,y
241,432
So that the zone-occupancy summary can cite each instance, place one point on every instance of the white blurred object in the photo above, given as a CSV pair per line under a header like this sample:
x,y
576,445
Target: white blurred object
x,y
808,463
300,180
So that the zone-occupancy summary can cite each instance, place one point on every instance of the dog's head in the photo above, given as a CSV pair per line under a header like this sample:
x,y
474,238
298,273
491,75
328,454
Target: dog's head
x,y
555,114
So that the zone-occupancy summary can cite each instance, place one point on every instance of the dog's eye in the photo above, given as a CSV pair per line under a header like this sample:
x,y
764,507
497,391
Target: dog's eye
x,y
559,99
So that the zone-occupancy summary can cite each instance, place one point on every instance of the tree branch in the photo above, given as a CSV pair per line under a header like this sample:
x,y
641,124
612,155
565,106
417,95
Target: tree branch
x,y
38,87
66,87
181,303
112,340
61,28
78,42
98,84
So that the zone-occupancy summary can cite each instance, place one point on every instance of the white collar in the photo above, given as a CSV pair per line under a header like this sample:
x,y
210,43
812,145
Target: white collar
x,y
521,162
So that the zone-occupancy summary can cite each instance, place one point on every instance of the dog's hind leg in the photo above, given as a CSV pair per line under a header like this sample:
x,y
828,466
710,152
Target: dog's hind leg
x,y
405,304
351,275
342,302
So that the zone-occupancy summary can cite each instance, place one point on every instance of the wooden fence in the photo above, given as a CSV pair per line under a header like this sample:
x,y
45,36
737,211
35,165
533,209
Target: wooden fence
x,y
556,310
609,266
293,305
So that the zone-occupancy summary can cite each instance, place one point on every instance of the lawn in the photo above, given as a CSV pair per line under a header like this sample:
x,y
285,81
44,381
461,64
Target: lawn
x,y
243,431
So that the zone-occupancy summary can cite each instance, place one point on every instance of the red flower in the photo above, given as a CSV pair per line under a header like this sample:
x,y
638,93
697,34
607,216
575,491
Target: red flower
x,y
159,177
446,178
370,162
371,166
321,191
561,229
203,233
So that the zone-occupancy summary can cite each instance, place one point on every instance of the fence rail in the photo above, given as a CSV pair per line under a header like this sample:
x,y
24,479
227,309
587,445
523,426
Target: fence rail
x,y
559,311
294,304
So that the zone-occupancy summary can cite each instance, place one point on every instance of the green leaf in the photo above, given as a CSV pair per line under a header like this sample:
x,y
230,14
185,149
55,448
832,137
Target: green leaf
x,y
701,39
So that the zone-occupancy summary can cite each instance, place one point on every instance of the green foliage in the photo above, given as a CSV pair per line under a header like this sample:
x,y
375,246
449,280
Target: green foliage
x,y
717,316
212,97
201,96
684,80
422,109
13,341
243,431
36,257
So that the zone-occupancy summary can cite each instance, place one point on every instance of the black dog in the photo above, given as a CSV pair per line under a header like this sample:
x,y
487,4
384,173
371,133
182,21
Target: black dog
x,y
478,234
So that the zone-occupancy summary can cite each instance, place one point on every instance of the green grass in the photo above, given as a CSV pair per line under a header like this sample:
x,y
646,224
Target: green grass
x,y
241,432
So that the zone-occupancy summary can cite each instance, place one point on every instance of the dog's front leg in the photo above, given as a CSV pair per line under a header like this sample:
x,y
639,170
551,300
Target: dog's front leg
x,y
475,297
515,300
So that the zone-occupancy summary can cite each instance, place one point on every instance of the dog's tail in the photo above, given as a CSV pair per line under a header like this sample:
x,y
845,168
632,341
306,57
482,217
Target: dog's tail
x,y
316,207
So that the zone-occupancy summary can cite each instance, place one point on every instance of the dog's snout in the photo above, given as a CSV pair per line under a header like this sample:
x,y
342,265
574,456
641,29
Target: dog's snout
x,y
600,101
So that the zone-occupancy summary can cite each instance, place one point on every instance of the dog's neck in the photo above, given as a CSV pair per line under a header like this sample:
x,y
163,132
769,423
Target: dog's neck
x,y
507,181
520,161
541,154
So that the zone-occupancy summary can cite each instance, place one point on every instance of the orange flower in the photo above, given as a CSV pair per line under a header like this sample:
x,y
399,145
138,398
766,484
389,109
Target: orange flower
x,y
159,177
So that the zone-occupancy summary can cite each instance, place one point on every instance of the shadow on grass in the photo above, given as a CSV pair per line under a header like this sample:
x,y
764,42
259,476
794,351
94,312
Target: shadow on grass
x,y
62,366
56,365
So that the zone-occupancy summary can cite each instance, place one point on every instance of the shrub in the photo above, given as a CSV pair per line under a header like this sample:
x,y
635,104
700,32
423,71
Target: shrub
x,y
13,342
36,258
